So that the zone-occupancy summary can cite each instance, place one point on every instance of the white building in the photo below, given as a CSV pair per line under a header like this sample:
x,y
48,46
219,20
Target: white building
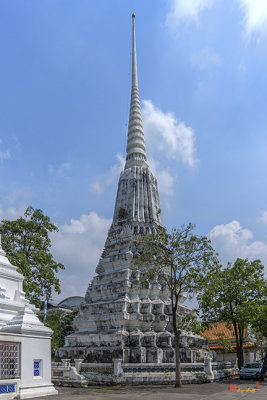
x,y
25,357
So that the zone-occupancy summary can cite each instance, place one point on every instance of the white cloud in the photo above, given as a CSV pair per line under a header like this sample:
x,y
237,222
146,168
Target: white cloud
x,y
17,144
78,245
97,187
11,212
168,136
255,18
165,182
116,169
232,241
61,170
263,217
110,177
185,11
164,135
4,154
205,58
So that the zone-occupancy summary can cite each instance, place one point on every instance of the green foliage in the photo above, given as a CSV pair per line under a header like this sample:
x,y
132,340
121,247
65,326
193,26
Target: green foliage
x,y
259,343
189,323
259,323
27,244
232,295
180,261
224,343
62,325
205,379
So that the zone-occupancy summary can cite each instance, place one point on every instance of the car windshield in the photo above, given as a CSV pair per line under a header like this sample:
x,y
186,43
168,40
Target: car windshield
x,y
253,365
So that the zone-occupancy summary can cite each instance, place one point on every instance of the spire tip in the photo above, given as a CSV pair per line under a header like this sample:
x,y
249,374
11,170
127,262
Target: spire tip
x,y
133,15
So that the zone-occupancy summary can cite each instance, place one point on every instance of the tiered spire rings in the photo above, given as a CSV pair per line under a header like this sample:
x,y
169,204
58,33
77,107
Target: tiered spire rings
x,y
136,149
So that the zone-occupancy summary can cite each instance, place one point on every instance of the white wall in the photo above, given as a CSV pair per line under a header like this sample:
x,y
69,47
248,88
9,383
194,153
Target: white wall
x,y
32,348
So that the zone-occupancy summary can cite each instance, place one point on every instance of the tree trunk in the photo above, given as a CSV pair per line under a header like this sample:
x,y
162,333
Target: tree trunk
x,y
239,346
237,343
264,368
241,334
178,378
240,356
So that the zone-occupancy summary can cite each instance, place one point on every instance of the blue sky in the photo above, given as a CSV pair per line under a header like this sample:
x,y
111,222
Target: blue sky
x,y
64,103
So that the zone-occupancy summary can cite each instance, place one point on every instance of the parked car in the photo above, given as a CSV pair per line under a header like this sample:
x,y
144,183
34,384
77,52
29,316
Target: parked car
x,y
250,370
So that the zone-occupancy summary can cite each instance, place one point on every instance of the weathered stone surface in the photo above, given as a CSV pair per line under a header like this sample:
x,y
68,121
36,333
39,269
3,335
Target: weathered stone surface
x,y
139,373
121,317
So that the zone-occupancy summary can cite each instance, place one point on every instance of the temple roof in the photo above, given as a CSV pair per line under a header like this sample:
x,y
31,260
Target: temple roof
x,y
216,330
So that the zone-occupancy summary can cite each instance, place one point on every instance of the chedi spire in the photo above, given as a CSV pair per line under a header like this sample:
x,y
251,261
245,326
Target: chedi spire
x,y
136,149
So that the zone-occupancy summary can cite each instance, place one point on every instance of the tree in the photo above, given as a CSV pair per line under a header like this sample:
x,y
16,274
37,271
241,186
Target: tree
x,y
181,261
62,325
259,323
231,295
27,244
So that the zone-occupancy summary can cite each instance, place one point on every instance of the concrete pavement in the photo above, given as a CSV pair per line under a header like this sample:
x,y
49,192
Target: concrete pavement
x,y
208,391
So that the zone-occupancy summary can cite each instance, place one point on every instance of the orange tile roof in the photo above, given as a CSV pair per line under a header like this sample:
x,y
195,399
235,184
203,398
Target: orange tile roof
x,y
220,328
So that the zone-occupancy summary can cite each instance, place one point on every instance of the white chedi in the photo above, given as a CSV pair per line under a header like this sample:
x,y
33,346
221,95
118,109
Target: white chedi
x,y
123,318
25,353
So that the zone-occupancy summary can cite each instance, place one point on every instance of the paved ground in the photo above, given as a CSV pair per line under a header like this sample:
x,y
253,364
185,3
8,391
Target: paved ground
x,y
209,391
